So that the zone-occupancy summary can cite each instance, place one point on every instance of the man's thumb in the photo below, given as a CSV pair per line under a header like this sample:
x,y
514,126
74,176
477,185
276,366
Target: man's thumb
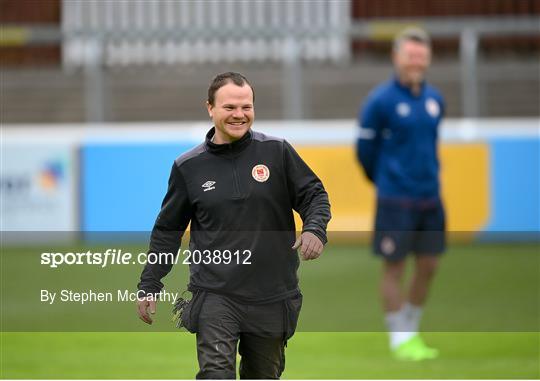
x,y
297,243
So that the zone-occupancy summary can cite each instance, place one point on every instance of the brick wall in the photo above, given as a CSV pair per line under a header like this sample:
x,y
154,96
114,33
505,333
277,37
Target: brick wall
x,y
523,45
30,12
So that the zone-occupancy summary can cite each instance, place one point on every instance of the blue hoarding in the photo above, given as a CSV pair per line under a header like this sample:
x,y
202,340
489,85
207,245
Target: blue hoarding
x,y
122,185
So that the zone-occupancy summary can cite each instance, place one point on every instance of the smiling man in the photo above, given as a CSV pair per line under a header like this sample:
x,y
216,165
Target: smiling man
x,y
238,190
397,147
233,113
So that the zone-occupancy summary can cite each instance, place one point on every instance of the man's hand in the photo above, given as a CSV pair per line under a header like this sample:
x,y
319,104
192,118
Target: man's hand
x,y
310,245
143,307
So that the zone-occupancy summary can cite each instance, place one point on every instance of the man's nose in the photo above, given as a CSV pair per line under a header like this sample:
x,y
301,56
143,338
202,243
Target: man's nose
x,y
238,113
418,61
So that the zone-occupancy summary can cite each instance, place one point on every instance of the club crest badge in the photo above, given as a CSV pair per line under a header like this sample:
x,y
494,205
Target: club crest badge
x,y
260,172
432,107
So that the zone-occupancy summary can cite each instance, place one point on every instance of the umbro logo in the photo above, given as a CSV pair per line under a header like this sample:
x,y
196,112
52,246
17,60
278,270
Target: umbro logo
x,y
209,185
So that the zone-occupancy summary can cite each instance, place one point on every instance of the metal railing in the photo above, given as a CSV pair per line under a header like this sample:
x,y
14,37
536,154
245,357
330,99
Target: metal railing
x,y
97,33
169,32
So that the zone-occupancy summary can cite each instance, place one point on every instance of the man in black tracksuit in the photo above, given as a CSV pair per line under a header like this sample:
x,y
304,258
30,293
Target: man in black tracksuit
x,y
239,189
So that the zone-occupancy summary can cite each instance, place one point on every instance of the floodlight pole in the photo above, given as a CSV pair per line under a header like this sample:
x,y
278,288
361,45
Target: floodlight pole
x,y
468,50
292,94
94,84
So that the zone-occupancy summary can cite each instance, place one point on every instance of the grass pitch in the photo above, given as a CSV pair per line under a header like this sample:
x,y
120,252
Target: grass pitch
x,y
310,355
489,288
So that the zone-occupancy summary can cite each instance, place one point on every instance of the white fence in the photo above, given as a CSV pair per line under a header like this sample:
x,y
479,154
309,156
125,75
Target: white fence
x,y
182,31
297,132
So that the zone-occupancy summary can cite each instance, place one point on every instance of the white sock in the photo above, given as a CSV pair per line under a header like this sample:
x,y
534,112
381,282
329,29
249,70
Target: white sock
x,y
397,328
412,315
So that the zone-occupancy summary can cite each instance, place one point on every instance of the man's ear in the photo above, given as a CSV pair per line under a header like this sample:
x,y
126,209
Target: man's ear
x,y
209,107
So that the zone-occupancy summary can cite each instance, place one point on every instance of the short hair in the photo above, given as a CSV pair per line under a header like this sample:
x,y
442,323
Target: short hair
x,y
222,79
412,34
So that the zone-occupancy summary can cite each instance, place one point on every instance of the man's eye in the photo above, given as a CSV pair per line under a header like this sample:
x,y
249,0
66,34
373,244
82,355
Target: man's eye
x,y
228,108
247,108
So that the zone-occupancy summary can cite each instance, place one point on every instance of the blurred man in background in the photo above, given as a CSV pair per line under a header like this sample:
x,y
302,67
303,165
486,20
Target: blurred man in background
x,y
238,190
397,148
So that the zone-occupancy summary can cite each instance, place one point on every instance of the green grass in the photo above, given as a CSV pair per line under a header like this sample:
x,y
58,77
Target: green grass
x,y
483,315
311,355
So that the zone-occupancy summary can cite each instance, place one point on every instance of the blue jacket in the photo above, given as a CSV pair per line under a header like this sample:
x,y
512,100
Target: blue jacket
x,y
397,143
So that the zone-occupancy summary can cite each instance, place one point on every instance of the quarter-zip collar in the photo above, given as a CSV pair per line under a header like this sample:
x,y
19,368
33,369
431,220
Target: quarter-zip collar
x,y
407,89
227,148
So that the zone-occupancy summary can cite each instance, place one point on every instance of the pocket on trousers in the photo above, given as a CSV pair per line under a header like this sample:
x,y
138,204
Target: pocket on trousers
x,y
292,313
190,313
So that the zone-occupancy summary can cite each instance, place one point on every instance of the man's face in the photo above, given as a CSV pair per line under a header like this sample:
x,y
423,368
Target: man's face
x,y
232,112
411,61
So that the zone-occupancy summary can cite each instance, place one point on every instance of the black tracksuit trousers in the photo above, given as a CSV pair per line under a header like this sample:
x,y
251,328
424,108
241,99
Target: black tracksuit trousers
x,y
259,332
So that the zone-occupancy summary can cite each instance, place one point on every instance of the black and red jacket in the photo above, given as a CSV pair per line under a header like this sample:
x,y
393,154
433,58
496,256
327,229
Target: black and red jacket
x,y
239,196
